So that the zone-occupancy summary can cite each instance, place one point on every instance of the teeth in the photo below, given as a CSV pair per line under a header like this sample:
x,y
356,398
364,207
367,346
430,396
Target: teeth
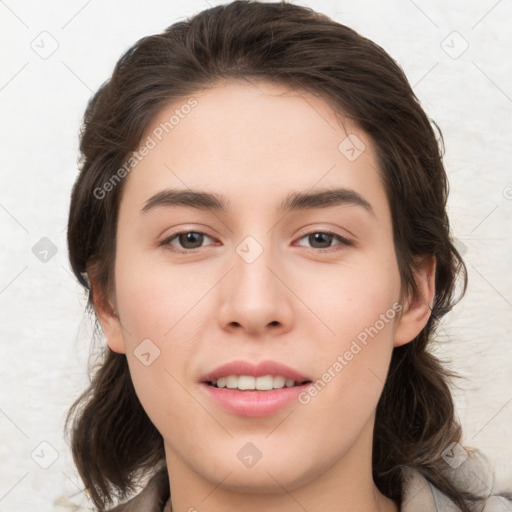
x,y
279,382
264,383
246,382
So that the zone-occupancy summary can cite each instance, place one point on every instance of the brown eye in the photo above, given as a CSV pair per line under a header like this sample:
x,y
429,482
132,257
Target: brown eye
x,y
190,240
185,241
323,240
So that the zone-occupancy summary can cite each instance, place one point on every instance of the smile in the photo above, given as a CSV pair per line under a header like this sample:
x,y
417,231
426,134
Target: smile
x,y
249,382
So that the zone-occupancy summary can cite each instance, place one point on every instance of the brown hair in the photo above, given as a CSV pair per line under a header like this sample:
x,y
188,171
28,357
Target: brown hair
x,y
113,441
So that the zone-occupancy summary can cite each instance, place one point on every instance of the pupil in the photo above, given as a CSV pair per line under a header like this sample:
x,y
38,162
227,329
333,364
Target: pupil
x,y
191,238
322,238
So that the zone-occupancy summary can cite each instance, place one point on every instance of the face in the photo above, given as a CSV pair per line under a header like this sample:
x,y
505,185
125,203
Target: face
x,y
286,259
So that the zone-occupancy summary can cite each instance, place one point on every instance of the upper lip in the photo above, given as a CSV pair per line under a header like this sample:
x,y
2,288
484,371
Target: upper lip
x,y
255,370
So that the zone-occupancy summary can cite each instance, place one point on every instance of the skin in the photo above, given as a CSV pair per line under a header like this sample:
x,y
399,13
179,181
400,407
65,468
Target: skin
x,y
300,302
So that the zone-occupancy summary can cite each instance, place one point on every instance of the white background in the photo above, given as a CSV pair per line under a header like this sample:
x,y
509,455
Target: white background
x,y
45,335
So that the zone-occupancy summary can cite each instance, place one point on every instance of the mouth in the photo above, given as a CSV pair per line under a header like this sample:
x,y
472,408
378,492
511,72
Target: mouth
x,y
246,376
251,383
244,389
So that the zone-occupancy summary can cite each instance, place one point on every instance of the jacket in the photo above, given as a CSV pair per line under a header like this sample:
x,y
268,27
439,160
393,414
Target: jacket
x,y
418,496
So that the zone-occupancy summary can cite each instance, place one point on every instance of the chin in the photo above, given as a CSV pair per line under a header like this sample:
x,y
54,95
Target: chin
x,y
268,475
259,481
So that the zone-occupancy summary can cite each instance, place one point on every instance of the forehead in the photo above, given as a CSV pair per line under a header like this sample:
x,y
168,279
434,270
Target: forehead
x,y
260,139
242,116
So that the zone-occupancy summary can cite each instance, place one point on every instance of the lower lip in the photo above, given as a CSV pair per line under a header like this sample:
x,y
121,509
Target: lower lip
x,y
253,403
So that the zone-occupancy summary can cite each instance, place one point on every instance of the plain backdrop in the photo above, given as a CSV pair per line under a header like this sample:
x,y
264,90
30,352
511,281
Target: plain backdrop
x,y
54,54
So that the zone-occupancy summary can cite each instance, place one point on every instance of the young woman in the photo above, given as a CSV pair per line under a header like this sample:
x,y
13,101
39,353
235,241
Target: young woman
x,y
260,222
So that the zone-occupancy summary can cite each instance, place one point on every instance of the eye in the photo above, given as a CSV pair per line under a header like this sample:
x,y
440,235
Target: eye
x,y
187,241
322,240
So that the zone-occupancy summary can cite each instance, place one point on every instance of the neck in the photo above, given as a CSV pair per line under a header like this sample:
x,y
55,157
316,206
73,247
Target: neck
x,y
343,487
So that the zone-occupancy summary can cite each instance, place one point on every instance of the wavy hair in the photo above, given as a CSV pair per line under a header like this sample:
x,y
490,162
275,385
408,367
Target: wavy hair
x,y
113,441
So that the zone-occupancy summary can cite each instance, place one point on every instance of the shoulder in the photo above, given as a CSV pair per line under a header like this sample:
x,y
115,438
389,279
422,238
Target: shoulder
x,y
152,498
473,476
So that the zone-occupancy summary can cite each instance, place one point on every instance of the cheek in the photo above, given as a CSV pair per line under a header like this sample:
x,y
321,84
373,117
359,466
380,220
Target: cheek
x,y
358,308
155,299
161,311
348,298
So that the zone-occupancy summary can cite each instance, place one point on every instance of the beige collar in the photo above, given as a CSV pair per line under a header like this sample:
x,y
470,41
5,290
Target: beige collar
x,y
418,496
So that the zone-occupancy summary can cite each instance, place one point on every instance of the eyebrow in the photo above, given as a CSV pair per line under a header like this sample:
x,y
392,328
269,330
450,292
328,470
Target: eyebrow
x,y
292,202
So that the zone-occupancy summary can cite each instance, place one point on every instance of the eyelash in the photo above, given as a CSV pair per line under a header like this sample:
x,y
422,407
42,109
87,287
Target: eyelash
x,y
167,241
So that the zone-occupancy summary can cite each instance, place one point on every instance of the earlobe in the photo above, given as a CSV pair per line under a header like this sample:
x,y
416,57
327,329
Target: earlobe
x,y
418,308
109,319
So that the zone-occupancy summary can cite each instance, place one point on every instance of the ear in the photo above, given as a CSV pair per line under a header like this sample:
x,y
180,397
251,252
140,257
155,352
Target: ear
x,y
108,317
417,307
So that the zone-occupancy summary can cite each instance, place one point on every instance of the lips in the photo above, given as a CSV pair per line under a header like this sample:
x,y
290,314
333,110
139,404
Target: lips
x,y
246,401
255,370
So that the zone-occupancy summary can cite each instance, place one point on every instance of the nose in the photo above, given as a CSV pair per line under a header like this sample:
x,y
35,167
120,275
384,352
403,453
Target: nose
x,y
255,298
